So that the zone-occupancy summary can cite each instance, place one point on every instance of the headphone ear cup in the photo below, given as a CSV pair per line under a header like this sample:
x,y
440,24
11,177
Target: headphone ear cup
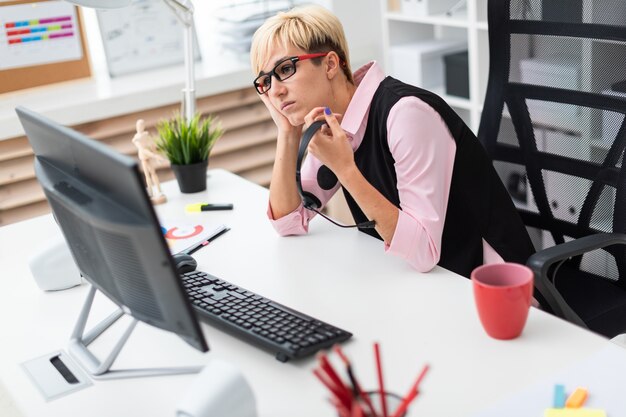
x,y
310,201
326,178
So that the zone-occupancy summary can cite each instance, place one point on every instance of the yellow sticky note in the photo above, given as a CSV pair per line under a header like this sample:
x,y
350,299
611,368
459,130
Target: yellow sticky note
x,y
574,412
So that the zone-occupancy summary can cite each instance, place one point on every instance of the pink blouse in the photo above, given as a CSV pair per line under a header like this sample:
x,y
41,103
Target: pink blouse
x,y
423,169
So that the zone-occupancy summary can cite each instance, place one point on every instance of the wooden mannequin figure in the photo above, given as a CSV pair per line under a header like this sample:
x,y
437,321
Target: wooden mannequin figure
x,y
148,155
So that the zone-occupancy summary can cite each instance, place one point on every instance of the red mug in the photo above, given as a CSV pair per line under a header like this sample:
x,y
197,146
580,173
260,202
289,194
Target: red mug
x,y
503,293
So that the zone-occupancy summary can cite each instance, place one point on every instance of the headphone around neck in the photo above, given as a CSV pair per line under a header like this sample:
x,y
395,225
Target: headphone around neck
x,y
310,201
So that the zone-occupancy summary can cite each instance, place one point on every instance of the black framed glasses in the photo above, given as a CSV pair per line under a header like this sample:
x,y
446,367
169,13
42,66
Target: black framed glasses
x,y
283,70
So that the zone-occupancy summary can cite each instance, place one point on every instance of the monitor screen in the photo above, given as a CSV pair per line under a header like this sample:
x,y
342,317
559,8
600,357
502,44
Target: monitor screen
x,y
99,200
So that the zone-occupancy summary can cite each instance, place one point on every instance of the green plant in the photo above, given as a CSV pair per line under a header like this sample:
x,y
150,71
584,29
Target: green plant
x,y
185,143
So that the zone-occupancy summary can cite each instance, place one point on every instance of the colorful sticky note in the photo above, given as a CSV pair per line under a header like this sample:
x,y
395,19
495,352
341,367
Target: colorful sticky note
x,y
576,398
559,396
574,412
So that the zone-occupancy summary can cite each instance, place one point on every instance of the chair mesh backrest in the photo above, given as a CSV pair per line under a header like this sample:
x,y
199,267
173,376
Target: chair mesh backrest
x,y
553,119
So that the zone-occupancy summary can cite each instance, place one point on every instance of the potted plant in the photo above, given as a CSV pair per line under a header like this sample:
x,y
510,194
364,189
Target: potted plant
x,y
187,145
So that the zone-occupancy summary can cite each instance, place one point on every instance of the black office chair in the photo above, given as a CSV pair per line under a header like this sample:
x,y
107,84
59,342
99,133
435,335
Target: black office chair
x,y
553,122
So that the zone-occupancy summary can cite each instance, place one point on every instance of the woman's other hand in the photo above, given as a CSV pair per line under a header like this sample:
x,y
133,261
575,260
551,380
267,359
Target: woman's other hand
x,y
330,144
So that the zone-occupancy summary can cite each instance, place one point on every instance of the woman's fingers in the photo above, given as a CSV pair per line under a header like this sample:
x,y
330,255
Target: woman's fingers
x,y
314,115
318,114
326,130
266,101
332,122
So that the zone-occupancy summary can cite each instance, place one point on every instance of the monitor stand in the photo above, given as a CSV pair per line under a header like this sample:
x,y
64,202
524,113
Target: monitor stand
x,y
79,342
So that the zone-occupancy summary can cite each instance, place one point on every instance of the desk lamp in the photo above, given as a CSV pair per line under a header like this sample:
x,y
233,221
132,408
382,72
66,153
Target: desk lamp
x,y
183,9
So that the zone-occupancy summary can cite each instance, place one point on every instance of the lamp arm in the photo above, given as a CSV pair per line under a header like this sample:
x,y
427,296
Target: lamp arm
x,y
183,9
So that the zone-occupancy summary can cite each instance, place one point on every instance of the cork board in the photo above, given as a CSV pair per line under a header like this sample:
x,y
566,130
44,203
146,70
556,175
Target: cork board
x,y
41,42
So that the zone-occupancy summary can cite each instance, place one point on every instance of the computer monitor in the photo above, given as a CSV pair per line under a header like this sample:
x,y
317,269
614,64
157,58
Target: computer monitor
x,y
99,200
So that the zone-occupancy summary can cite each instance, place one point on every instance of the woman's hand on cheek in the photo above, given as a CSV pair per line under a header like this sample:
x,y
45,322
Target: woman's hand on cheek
x,y
283,124
331,145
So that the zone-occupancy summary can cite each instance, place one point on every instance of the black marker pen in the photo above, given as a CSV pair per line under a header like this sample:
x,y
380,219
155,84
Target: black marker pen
x,y
214,207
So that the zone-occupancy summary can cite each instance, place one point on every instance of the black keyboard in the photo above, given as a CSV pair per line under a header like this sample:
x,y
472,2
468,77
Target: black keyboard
x,y
262,322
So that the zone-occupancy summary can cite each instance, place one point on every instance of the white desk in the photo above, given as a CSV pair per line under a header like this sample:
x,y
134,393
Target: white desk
x,y
339,276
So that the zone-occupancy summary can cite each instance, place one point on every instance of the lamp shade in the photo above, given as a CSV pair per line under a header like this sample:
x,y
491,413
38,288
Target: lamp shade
x,y
102,4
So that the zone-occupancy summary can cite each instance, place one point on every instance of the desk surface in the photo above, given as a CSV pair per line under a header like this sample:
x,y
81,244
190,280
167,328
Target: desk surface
x,y
340,276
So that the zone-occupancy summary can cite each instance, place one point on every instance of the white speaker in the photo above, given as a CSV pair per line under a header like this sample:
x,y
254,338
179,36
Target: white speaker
x,y
53,267
219,390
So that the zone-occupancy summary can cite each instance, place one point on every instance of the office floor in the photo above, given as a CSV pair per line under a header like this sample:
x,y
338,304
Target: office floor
x,y
7,406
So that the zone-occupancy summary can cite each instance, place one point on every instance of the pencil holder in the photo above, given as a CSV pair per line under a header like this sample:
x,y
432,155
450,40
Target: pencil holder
x,y
350,399
392,400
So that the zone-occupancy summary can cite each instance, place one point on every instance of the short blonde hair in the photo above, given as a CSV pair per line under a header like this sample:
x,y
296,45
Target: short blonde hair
x,y
311,28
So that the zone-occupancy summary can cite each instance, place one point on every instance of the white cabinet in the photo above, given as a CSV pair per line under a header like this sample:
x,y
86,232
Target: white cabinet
x,y
421,32
557,73
421,63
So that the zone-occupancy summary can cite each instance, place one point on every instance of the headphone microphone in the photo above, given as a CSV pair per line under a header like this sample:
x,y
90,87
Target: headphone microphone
x,y
309,200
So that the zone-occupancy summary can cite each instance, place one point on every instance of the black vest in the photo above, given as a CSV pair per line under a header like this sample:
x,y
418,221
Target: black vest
x,y
478,205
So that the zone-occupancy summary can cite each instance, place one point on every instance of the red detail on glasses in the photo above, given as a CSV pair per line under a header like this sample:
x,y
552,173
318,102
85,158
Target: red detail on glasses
x,y
310,56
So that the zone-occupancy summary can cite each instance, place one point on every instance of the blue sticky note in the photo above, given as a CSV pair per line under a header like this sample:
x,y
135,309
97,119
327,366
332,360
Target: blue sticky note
x,y
559,396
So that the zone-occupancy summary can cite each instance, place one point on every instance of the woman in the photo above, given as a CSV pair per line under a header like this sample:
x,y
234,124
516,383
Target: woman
x,y
402,156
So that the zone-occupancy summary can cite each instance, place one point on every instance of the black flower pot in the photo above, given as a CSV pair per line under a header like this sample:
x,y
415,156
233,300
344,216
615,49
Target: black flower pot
x,y
191,178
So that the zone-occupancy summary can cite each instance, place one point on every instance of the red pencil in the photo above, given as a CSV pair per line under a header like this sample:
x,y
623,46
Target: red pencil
x,y
357,386
405,404
420,377
381,384
410,396
342,355
337,393
357,411
341,409
328,368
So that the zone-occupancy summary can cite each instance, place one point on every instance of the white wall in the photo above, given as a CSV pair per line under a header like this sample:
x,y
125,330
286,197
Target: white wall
x,y
363,26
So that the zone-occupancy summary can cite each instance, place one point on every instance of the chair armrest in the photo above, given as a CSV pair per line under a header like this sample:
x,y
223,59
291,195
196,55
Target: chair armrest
x,y
541,262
